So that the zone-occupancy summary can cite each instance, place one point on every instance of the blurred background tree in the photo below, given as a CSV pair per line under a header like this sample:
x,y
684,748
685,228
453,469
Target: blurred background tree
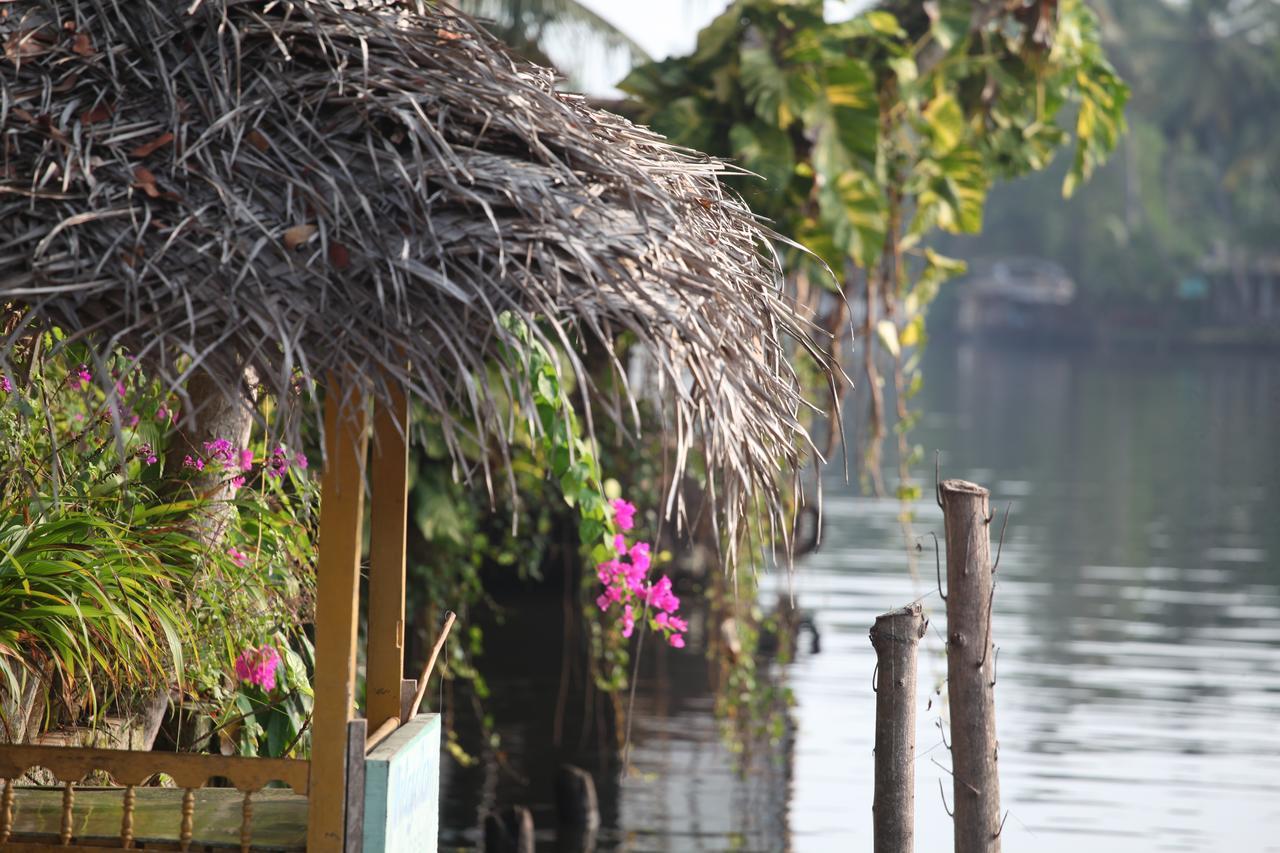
x,y
1196,182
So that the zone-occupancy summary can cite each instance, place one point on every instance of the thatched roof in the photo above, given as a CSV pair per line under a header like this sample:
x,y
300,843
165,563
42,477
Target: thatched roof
x,y
363,188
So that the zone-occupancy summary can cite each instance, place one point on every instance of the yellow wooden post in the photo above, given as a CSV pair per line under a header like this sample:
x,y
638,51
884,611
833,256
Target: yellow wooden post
x,y
388,521
337,603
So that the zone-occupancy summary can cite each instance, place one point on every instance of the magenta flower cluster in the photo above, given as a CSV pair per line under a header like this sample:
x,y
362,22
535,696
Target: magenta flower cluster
x,y
221,453
259,667
625,579
5,385
278,462
80,379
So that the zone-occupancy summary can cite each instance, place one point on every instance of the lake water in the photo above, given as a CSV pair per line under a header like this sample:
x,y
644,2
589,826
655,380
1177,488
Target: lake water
x,y
1137,614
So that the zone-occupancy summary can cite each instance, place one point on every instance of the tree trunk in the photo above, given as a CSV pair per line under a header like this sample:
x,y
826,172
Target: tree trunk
x,y
208,416
971,667
896,637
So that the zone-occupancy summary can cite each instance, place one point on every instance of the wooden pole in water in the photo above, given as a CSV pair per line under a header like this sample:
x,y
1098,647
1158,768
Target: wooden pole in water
x,y
971,666
896,636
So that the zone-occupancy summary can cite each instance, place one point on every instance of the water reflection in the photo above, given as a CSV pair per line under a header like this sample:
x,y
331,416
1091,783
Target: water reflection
x,y
1138,616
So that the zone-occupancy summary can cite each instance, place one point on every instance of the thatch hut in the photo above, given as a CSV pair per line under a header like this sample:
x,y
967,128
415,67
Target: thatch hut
x,y
360,197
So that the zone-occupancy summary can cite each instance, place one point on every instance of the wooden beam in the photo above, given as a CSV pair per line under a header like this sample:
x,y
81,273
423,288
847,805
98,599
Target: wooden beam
x,y
388,527
337,604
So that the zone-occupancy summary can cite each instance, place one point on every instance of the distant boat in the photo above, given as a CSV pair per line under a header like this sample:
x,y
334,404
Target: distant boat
x,y
1017,294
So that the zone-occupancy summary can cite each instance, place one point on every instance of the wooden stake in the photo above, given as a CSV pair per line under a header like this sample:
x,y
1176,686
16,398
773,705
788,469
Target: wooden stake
x,y
970,667
896,637
337,603
423,679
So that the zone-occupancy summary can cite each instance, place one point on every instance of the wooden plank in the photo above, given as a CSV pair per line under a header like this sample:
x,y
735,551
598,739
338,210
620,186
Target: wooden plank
x,y
337,605
128,767
388,527
408,691
402,790
357,732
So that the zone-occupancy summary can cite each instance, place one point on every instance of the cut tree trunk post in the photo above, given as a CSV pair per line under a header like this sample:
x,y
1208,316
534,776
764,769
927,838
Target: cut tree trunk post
x,y
896,636
971,667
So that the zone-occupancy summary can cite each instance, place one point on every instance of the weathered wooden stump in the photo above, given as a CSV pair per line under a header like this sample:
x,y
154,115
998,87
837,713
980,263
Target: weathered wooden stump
x,y
509,831
578,809
896,638
971,666
576,801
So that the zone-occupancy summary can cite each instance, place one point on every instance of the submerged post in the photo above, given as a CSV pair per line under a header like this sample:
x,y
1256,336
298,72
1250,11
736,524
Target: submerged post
x,y
896,636
971,666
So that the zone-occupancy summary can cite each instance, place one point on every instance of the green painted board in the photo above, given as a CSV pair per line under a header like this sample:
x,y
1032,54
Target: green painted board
x,y
402,790
279,816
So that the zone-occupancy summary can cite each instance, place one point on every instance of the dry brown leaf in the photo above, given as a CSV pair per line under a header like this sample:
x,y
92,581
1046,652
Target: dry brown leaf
x,y
145,180
448,35
148,148
297,235
257,140
339,256
82,44
101,112
24,44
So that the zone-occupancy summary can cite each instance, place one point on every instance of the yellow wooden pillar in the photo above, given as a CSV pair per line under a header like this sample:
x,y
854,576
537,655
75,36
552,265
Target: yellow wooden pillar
x,y
388,523
337,604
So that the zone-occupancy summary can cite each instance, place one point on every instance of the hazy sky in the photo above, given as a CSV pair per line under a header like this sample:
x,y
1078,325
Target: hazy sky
x,y
662,27
670,27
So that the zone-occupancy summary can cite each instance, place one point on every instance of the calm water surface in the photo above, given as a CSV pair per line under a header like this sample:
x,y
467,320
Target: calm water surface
x,y
1137,614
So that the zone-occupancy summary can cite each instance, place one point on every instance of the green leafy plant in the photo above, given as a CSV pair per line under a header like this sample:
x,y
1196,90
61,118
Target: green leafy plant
x,y
109,590
873,133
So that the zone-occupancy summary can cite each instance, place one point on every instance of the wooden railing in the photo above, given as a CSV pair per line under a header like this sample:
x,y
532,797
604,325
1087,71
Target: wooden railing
x,y
131,769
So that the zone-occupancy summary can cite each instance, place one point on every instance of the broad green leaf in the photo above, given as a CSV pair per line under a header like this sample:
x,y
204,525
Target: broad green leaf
x,y
887,332
765,150
944,123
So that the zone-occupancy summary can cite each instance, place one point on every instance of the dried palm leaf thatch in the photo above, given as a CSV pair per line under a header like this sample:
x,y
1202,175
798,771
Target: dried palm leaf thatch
x,y
305,188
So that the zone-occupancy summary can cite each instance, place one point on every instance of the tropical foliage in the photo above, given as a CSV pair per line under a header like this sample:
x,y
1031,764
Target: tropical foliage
x,y
872,133
108,590
1196,180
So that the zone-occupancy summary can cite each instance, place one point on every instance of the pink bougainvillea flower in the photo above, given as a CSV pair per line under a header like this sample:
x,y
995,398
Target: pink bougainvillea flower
x,y
259,666
240,558
246,459
193,462
146,454
624,578
624,514
5,385
237,483
640,556
133,419
300,459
